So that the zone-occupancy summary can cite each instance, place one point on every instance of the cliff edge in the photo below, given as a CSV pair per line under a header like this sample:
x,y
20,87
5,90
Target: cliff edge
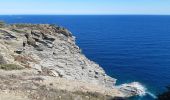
x,y
42,62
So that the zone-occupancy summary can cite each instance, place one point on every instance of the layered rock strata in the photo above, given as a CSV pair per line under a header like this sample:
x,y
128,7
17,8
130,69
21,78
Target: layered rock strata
x,y
51,51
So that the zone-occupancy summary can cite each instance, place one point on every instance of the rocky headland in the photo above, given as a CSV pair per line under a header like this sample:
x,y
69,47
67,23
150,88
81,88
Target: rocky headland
x,y
42,62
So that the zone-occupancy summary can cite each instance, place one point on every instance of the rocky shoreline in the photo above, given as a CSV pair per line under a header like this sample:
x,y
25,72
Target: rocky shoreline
x,y
43,62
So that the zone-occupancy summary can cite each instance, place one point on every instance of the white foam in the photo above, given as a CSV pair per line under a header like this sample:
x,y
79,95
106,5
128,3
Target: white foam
x,y
152,95
144,90
141,89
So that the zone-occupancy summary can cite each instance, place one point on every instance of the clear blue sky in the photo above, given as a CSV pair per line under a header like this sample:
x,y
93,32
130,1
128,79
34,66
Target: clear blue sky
x,y
85,7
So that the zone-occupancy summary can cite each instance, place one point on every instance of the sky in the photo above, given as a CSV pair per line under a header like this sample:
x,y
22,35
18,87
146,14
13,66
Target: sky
x,y
85,7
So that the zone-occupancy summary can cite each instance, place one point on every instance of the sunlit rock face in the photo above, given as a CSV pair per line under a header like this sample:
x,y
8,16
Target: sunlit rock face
x,y
52,51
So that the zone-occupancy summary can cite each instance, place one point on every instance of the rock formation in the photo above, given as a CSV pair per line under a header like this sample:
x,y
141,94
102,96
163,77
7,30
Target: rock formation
x,y
134,88
48,53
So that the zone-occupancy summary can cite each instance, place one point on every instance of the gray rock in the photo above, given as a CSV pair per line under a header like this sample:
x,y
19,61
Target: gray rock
x,y
35,66
132,89
2,60
19,50
52,51
57,52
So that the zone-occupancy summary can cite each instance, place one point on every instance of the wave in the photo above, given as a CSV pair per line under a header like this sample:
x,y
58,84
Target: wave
x,y
152,95
147,92
140,89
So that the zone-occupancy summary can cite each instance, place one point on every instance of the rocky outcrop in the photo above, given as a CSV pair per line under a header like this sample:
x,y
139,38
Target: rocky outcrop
x,y
132,89
51,51
46,47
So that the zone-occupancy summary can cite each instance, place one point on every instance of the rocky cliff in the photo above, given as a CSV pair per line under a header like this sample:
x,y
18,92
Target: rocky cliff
x,y
36,55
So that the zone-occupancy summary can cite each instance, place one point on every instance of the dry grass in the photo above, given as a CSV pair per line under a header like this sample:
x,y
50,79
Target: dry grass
x,y
24,60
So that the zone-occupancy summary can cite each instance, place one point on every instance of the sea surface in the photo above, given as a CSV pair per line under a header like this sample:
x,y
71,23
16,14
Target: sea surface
x,y
128,47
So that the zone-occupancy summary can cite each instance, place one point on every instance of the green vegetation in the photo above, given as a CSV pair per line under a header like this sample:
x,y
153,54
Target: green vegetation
x,y
10,67
21,25
2,24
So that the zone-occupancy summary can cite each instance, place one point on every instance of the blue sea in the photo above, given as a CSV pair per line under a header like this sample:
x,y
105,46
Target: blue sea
x,y
128,47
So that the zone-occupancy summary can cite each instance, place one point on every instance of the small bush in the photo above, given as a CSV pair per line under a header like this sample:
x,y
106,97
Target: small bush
x,y
2,24
21,25
10,67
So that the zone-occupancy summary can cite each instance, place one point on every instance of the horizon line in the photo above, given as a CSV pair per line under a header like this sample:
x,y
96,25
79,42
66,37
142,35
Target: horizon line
x,y
88,14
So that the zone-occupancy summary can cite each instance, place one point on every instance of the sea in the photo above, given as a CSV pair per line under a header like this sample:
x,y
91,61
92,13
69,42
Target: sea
x,y
130,48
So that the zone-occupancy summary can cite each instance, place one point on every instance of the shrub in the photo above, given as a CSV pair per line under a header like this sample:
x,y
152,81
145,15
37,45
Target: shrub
x,y
10,67
21,25
2,24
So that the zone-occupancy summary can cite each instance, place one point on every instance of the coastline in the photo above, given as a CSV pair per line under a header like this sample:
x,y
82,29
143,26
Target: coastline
x,y
13,37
